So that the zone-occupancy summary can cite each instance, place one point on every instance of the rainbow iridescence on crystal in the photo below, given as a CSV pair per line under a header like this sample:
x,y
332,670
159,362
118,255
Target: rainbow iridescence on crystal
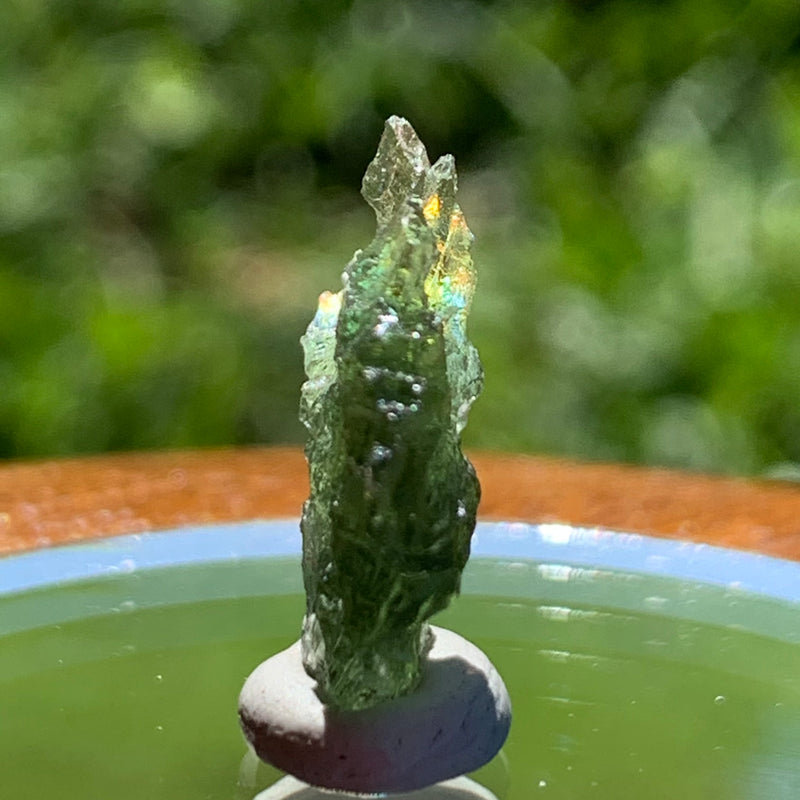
x,y
391,378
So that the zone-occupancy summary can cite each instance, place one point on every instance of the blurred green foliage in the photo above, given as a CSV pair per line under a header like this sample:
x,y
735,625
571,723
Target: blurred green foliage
x,y
179,180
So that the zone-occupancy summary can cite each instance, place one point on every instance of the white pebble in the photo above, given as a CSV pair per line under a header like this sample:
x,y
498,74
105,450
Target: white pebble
x,y
454,722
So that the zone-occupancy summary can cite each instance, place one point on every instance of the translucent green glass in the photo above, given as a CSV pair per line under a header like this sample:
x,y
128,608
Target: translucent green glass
x,y
391,377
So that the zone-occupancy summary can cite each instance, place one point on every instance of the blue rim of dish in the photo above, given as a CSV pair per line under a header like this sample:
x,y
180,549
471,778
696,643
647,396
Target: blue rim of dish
x,y
557,544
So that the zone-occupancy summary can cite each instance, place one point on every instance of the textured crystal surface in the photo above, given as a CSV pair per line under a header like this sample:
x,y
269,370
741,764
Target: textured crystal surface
x,y
391,378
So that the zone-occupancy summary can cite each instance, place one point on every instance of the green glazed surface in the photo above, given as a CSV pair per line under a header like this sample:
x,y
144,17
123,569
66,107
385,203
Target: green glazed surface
x,y
135,695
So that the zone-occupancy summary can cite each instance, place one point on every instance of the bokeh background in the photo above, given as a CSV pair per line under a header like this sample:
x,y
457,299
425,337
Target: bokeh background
x,y
179,180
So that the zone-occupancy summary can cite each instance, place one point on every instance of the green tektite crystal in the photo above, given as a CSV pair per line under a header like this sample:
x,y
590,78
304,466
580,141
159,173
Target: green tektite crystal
x,y
391,377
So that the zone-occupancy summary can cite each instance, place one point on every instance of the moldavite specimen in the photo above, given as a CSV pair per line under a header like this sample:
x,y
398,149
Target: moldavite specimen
x,y
391,378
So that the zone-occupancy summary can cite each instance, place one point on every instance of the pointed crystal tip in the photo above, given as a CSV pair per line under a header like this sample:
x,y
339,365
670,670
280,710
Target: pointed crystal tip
x,y
398,167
